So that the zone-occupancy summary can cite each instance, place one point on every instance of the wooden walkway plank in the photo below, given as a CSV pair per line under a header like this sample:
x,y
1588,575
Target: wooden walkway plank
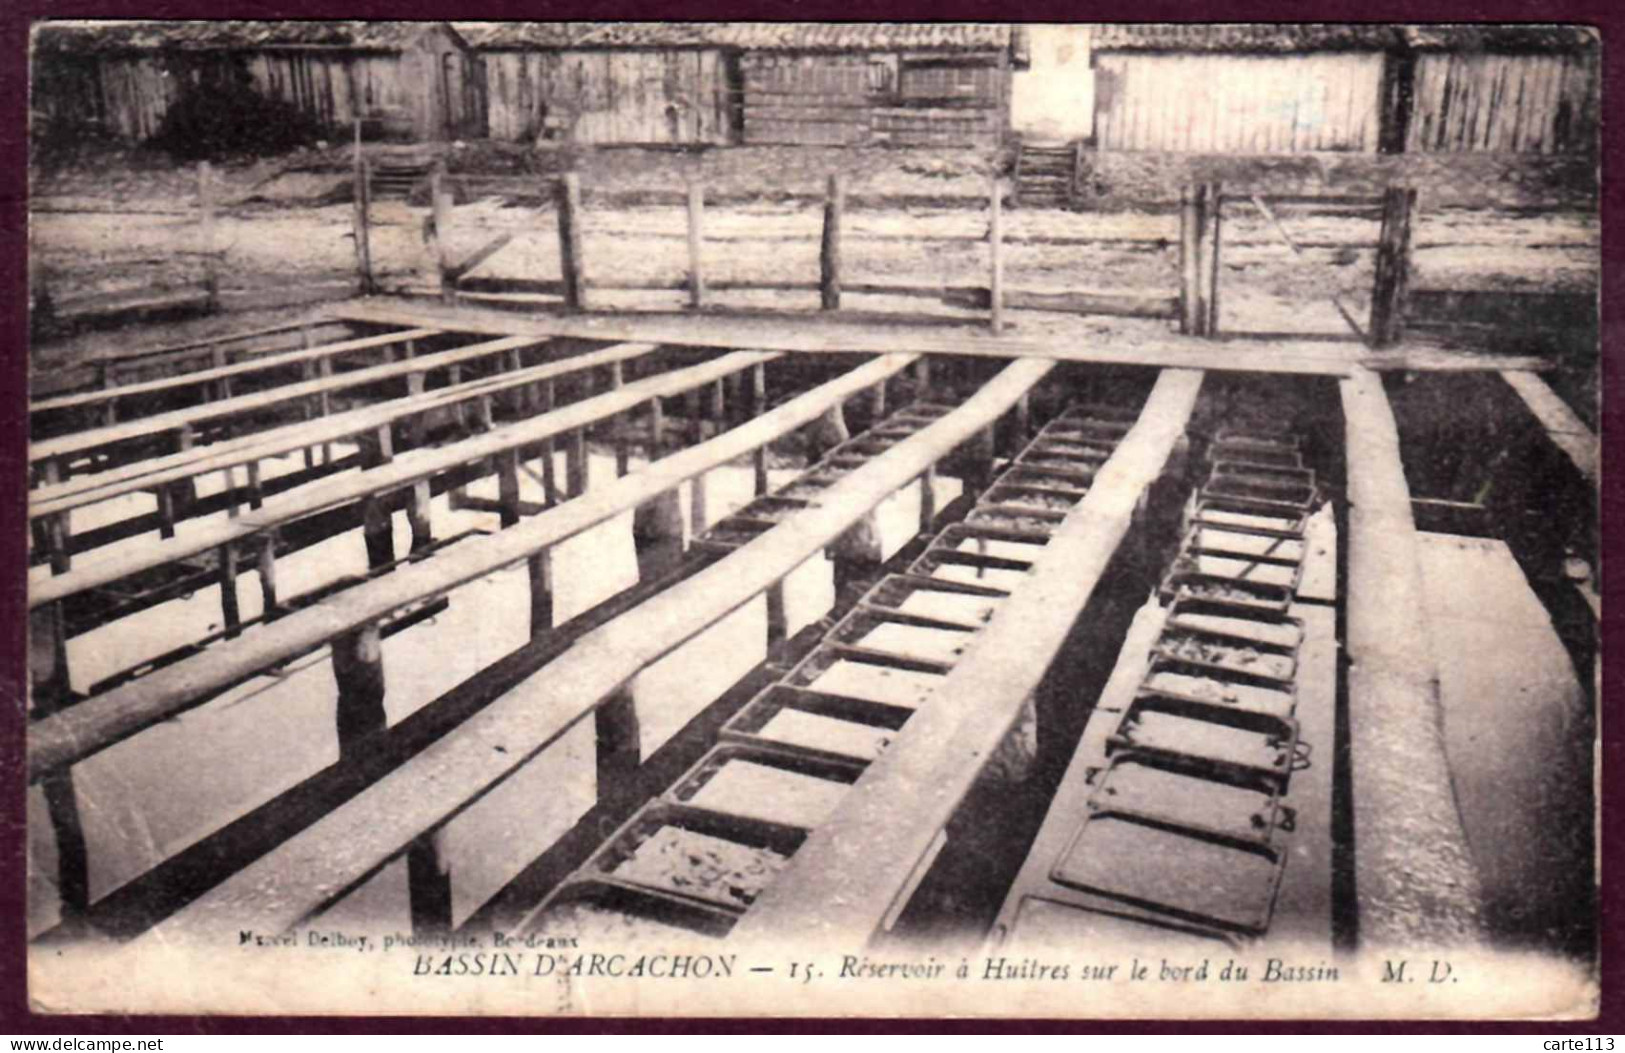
x,y
395,475
1094,342
349,844
849,876
1415,883
102,486
99,721
82,442
218,373
104,363
1562,424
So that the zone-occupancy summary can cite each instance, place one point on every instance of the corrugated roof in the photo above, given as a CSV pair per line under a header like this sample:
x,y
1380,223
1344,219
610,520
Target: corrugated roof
x,y
755,36
1288,37
225,35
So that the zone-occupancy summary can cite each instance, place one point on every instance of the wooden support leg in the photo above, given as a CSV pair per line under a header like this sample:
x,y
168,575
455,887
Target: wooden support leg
x,y
230,491
267,569
827,432
697,514
541,593
428,887
575,463
1022,417
877,401
414,427
928,501
377,530
230,612
56,528
619,745
48,674
758,406
922,377
778,622
691,410
256,488
980,453
417,513
856,556
623,452
717,411
358,667
508,486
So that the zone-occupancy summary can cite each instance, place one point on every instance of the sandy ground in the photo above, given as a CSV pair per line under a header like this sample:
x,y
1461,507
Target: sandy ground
x,y
130,234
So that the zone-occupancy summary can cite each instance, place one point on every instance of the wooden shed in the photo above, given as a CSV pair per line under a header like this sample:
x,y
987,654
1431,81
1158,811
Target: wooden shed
x,y
124,76
750,82
906,84
606,82
1292,88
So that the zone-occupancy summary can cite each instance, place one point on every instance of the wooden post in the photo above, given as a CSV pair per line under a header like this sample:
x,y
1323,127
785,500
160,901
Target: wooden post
x,y
1392,280
575,463
230,611
696,239
56,527
778,622
267,570
362,195
1190,273
48,674
758,406
417,514
623,451
378,533
205,197
550,482
829,257
440,202
922,377
995,235
358,668
567,198
619,745
256,486
1215,202
928,501
717,411
428,886
659,523
541,593
508,487
877,403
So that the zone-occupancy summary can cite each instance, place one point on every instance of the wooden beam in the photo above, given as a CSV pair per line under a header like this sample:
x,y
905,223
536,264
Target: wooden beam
x,y
98,722
343,490
379,824
1093,343
82,442
202,377
1562,425
90,489
1415,882
851,873
211,265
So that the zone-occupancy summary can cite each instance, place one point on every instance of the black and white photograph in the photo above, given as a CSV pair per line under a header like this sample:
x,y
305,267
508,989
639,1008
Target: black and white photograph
x,y
813,519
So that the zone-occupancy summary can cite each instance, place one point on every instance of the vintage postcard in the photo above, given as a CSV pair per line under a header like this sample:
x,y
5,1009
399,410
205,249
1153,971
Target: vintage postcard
x,y
813,519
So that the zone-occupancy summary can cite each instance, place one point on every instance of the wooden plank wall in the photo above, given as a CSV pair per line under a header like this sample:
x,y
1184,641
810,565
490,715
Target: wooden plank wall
x,y
816,99
846,99
1238,103
1507,103
331,87
609,96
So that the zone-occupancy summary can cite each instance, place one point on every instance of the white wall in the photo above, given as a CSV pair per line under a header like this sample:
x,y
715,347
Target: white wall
x,y
1055,97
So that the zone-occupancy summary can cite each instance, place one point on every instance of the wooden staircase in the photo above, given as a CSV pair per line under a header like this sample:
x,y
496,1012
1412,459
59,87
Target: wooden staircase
x,y
397,170
1046,174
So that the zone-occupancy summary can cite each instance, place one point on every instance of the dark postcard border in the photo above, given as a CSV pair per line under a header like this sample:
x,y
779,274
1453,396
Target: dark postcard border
x,y
15,1016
